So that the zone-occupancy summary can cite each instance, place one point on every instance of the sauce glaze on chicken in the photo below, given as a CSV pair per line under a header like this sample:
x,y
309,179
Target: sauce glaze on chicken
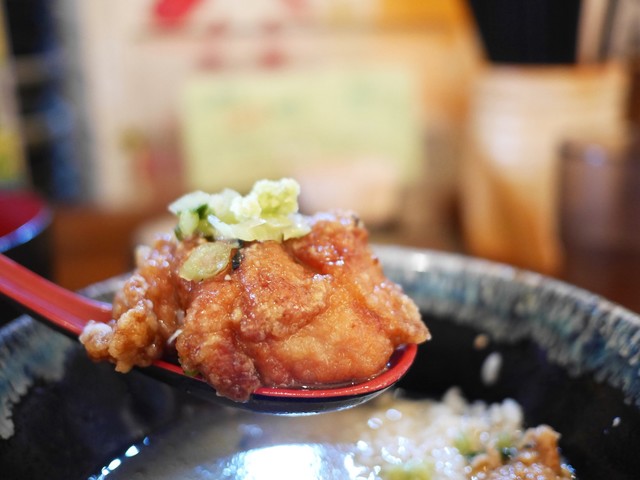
x,y
308,311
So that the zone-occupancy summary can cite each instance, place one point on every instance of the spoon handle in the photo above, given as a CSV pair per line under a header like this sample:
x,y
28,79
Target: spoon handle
x,y
68,312
63,309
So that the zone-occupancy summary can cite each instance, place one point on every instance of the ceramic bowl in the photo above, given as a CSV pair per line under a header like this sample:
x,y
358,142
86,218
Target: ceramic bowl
x,y
569,357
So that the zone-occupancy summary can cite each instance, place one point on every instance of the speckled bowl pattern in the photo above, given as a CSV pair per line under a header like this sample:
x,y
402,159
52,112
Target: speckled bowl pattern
x,y
569,357
579,330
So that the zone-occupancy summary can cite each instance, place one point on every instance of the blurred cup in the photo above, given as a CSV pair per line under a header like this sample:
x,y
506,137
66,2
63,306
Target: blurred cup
x,y
518,117
25,219
599,200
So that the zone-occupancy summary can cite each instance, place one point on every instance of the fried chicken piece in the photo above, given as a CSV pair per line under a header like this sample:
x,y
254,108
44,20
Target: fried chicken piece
x,y
148,310
537,456
312,310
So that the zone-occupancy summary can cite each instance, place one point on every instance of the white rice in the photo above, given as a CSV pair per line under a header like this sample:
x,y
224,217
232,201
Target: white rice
x,y
423,434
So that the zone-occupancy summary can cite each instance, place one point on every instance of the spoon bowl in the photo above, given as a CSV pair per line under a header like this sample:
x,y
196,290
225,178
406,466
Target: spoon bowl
x,y
68,312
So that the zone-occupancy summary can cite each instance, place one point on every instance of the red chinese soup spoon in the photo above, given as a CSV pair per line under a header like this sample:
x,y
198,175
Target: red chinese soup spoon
x,y
68,312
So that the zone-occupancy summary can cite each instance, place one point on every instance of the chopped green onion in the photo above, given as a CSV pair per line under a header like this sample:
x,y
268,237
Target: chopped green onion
x,y
187,222
466,445
416,470
206,261
268,212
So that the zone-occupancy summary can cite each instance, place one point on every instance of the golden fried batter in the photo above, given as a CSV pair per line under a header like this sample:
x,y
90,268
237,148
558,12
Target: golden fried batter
x,y
537,457
312,310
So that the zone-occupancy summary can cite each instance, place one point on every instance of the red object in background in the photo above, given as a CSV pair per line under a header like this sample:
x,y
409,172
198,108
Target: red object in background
x,y
171,13
23,216
25,219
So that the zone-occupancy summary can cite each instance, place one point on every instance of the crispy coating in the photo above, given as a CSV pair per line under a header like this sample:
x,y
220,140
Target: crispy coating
x,y
148,311
537,457
312,310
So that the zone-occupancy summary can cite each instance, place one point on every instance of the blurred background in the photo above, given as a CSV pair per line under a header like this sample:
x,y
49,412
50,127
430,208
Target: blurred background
x,y
503,129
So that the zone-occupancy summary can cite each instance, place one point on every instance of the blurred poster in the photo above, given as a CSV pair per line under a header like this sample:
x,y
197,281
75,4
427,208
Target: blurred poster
x,y
238,128
202,93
